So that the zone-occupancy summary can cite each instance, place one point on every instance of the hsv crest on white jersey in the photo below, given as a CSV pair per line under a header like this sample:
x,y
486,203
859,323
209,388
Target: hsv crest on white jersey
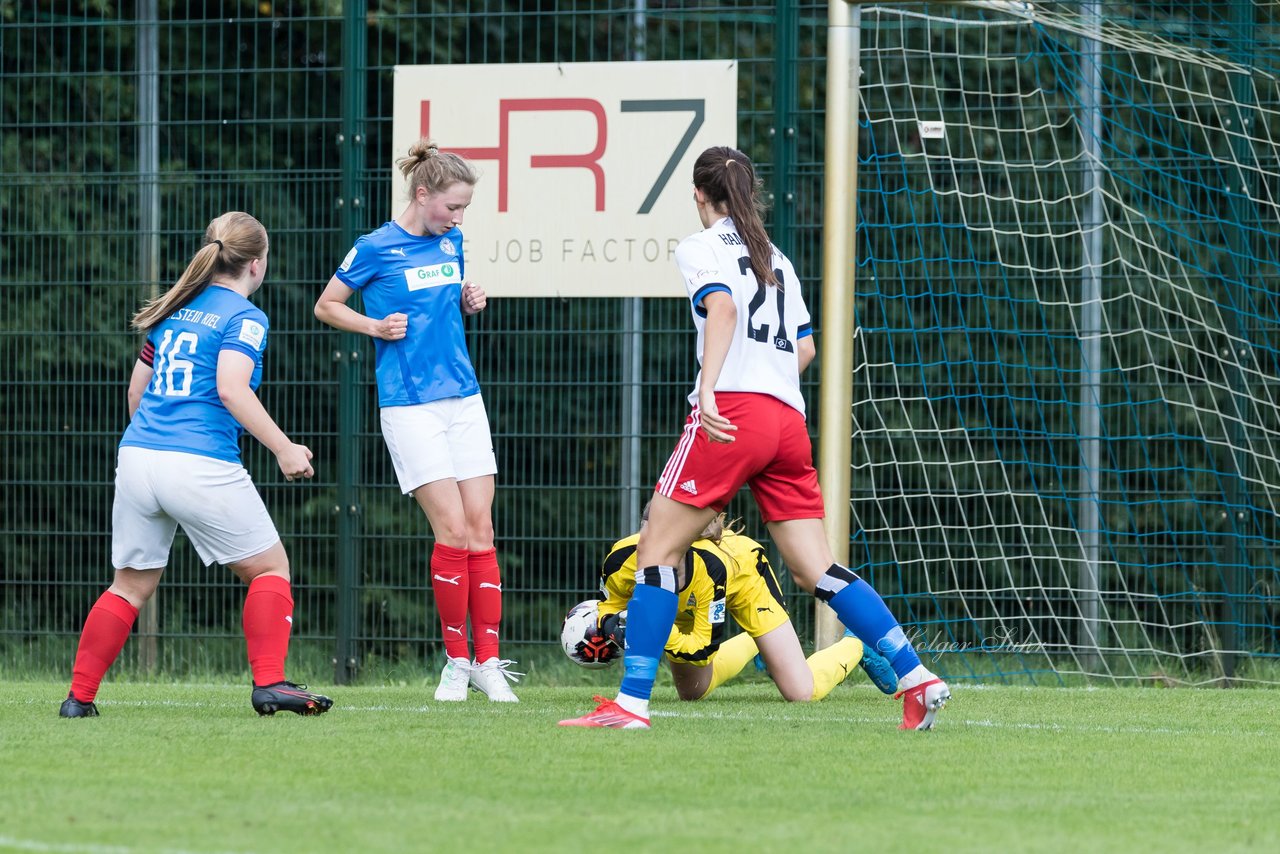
x,y
771,320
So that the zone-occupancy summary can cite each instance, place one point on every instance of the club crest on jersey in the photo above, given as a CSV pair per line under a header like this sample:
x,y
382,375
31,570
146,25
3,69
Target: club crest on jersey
x,y
447,247
433,276
252,332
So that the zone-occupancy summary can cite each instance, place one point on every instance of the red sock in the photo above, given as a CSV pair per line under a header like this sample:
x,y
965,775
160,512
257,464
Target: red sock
x,y
268,618
105,631
486,602
449,582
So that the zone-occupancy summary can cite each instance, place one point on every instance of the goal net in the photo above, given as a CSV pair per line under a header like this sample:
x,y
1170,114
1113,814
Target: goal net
x,y
1068,320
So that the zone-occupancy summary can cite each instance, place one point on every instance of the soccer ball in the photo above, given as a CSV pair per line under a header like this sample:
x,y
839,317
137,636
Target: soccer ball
x,y
581,623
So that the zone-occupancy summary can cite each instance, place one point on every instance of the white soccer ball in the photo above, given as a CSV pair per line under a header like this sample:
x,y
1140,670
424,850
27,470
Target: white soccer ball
x,y
581,620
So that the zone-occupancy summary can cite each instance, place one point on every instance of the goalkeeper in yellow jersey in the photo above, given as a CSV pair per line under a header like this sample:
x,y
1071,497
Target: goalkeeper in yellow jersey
x,y
724,574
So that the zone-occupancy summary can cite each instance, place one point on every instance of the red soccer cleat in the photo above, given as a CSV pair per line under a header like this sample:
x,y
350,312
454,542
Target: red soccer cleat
x,y
921,704
609,714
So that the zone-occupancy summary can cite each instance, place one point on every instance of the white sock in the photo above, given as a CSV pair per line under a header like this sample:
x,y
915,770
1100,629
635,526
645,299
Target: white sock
x,y
634,705
915,677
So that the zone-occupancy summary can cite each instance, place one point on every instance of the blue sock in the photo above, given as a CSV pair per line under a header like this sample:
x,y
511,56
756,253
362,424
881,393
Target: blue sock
x,y
650,615
860,607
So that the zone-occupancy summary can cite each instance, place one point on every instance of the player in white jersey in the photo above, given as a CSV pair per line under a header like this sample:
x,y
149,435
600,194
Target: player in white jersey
x,y
747,427
410,273
191,396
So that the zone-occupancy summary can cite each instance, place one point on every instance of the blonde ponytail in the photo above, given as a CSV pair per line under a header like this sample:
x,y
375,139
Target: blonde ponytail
x,y
230,242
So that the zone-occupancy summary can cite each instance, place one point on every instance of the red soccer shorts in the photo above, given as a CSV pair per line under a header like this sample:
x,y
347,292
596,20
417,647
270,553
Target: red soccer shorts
x,y
771,452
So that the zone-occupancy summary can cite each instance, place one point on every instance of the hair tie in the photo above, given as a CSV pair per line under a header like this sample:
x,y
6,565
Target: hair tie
x,y
728,162
219,242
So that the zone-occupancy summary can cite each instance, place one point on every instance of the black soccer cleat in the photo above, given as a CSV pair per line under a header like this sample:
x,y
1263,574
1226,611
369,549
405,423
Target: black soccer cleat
x,y
288,697
73,708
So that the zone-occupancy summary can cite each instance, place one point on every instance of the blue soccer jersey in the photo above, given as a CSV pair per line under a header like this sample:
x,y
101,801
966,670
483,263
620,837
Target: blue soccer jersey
x,y
396,271
180,410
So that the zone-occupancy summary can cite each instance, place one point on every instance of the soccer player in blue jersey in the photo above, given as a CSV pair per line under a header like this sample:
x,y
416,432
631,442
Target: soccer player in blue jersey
x,y
191,396
411,275
747,426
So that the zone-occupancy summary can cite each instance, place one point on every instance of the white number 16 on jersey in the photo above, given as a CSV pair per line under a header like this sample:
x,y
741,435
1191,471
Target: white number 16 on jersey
x,y
169,362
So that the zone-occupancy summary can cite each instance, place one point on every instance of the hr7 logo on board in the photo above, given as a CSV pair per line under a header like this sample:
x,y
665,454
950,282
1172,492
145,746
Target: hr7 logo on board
x,y
589,160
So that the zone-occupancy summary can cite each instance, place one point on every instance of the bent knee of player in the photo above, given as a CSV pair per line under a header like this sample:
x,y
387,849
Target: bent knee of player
x,y
806,581
689,693
451,532
274,561
134,586
479,535
796,690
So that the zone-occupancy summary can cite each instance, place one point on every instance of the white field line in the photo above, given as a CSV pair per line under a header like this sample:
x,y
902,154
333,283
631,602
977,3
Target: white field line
x,y
502,709
10,843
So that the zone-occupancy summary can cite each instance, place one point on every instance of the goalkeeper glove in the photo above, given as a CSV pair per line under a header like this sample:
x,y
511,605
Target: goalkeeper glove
x,y
597,648
614,628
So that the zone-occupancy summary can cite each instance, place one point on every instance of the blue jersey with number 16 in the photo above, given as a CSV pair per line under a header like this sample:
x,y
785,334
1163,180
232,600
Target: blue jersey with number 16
x,y
181,410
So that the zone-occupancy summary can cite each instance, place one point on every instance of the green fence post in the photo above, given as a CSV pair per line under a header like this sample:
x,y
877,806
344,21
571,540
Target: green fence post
x,y
351,202
148,101
784,130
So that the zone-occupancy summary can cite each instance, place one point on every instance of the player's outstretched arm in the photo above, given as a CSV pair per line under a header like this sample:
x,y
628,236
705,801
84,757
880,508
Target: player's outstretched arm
x,y
234,372
333,310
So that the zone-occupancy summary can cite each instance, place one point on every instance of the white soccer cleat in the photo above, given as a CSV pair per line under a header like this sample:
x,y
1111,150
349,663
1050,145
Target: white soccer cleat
x,y
454,680
921,704
490,678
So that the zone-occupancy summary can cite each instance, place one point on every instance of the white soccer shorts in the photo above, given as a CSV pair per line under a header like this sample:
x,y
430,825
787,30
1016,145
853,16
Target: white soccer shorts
x,y
214,501
441,439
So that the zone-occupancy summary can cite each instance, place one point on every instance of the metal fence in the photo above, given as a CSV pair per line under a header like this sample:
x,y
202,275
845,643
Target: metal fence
x,y
123,131
126,129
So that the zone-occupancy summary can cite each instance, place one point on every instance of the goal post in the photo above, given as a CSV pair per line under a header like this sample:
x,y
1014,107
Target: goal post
x,y
1060,413
840,178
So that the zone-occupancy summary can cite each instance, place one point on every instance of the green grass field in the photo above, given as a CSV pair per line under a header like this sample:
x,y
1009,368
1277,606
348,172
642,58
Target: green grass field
x,y
187,767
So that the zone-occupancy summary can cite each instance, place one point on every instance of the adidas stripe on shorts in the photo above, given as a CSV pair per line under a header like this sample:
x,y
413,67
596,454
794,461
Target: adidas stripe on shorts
x,y
771,453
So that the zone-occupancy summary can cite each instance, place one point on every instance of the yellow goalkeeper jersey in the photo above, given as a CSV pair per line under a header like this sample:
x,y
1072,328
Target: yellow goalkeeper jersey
x,y
732,578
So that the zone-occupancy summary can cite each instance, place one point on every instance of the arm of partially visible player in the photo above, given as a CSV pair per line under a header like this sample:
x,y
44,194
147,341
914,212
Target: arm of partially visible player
x,y
332,309
138,382
234,372
616,595
617,583
722,319
805,351
696,645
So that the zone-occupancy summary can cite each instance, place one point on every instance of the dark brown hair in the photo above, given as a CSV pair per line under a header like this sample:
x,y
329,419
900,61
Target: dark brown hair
x,y
728,180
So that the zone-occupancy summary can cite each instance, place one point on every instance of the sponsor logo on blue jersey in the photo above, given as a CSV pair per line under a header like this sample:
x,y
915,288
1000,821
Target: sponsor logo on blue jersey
x,y
419,276
433,276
